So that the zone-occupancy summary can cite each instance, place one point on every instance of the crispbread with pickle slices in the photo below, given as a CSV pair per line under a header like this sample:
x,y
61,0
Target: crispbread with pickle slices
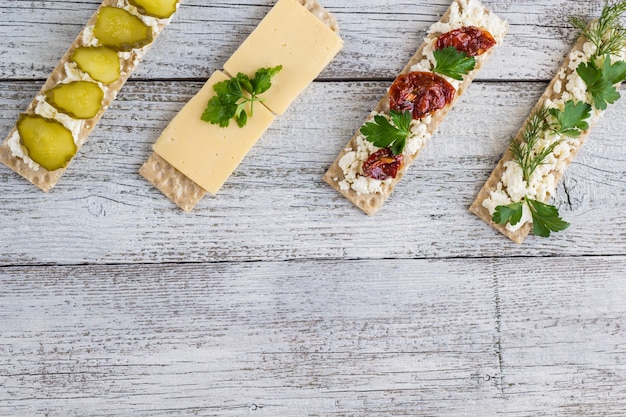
x,y
490,185
42,178
371,203
180,189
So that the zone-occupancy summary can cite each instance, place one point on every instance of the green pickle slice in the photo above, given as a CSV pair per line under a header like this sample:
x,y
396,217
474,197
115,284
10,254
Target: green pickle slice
x,y
78,99
120,30
47,141
161,9
101,63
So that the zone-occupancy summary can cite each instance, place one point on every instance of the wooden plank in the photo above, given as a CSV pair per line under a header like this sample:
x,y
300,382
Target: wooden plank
x,y
564,339
275,206
277,298
264,338
379,38
494,337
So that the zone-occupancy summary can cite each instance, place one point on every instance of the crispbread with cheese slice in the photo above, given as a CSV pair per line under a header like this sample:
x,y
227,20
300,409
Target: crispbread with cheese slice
x,y
185,177
41,177
371,203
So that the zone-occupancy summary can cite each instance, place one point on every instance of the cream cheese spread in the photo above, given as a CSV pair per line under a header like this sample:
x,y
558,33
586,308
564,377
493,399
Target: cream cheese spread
x,y
73,73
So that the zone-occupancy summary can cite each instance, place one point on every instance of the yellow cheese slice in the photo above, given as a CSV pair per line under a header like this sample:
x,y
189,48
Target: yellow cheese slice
x,y
206,153
290,36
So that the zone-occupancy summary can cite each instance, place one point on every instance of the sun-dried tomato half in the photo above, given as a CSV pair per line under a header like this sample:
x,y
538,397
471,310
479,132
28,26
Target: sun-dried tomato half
x,y
382,164
469,39
421,93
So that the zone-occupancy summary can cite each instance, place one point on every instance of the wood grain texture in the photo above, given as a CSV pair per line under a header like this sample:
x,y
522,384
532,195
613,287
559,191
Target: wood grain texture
x,y
358,338
275,205
278,297
380,36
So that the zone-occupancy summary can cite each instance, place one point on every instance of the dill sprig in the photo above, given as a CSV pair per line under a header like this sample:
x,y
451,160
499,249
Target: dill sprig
x,y
524,151
545,217
606,33
570,121
609,37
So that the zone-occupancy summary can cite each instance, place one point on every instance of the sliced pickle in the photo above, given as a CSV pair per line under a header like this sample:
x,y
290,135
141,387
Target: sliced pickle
x,y
47,141
101,63
161,9
120,30
78,99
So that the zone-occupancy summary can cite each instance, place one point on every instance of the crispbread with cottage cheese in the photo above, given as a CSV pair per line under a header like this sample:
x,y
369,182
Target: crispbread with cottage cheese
x,y
372,202
39,176
183,191
491,184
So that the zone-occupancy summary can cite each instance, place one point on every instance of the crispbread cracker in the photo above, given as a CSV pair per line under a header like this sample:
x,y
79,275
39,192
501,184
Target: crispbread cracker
x,y
371,203
321,13
477,208
181,190
42,178
184,192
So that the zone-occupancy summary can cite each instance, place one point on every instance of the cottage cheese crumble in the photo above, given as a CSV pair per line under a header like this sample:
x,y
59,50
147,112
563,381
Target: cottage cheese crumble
x,y
462,13
512,188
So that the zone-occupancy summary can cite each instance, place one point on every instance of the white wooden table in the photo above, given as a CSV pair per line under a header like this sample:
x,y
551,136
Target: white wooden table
x,y
278,297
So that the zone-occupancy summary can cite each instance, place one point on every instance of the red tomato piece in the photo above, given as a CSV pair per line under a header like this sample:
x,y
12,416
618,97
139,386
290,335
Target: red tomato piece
x,y
382,164
421,93
469,39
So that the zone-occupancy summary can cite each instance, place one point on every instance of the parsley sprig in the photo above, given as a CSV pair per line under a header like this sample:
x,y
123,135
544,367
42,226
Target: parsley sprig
x,y
453,63
601,81
233,96
384,134
570,121
609,37
545,217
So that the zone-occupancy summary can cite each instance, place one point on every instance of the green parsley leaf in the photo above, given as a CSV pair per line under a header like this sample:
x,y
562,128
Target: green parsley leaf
x,y
241,117
263,79
529,156
244,82
384,134
228,90
572,118
233,96
511,213
590,74
453,63
219,111
614,73
600,82
545,218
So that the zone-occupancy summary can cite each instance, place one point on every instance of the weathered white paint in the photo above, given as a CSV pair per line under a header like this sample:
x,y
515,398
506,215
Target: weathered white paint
x,y
277,297
471,337
275,206
380,36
